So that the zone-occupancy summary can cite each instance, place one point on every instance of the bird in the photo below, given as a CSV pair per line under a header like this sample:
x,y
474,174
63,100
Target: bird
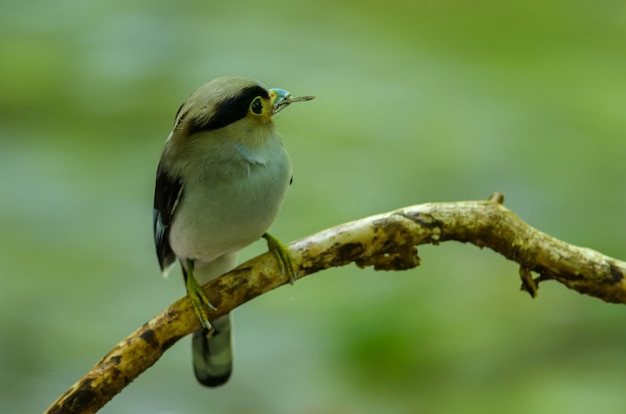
x,y
220,182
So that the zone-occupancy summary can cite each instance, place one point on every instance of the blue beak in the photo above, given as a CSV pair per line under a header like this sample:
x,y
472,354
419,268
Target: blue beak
x,y
280,98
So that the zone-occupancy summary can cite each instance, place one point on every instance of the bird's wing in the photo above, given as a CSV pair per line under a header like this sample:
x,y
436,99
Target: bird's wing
x,y
167,193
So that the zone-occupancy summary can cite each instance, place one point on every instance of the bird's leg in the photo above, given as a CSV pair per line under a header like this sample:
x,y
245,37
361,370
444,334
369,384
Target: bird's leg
x,y
198,299
282,255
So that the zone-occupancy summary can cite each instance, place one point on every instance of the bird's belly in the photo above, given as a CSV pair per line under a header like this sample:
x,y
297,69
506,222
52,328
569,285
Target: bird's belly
x,y
221,218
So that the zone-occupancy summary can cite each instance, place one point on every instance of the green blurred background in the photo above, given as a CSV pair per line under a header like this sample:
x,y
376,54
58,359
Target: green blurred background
x,y
417,101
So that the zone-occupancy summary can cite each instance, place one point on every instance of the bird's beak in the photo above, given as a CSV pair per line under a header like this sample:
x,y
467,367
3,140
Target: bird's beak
x,y
280,99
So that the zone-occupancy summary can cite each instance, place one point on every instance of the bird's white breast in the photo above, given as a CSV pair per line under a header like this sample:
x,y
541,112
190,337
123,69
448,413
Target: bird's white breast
x,y
229,200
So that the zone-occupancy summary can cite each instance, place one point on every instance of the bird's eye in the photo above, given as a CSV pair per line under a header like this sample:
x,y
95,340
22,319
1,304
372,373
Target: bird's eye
x,y
257,106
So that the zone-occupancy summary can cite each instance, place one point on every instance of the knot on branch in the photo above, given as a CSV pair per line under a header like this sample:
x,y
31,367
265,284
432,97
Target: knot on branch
x,y
401,258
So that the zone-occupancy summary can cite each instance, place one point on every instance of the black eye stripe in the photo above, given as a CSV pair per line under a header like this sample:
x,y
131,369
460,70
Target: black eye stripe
x,y
229,110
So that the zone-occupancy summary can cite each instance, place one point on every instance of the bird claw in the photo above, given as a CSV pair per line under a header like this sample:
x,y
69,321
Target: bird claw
x,y
198,299
282,256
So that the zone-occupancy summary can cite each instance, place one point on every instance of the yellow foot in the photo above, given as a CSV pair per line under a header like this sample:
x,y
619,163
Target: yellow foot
x,y
282,256
198,299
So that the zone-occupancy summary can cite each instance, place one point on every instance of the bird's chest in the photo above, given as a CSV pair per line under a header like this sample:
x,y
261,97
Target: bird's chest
x,y
222,214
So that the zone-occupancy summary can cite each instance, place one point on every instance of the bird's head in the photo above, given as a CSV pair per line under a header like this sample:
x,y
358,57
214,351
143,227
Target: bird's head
x,y
228,108
228,100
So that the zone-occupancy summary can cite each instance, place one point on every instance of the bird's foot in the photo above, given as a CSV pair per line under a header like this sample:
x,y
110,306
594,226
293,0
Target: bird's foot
x,y
282,256
198,298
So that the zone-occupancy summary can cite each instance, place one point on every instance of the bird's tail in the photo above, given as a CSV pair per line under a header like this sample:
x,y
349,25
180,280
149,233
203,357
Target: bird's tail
x,y
213,357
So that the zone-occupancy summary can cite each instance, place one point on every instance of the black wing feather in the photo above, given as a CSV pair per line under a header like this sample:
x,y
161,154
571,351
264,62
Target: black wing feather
x,y
167,194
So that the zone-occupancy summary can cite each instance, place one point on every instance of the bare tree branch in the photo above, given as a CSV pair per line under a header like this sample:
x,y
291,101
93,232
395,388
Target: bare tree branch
x,y
386,241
